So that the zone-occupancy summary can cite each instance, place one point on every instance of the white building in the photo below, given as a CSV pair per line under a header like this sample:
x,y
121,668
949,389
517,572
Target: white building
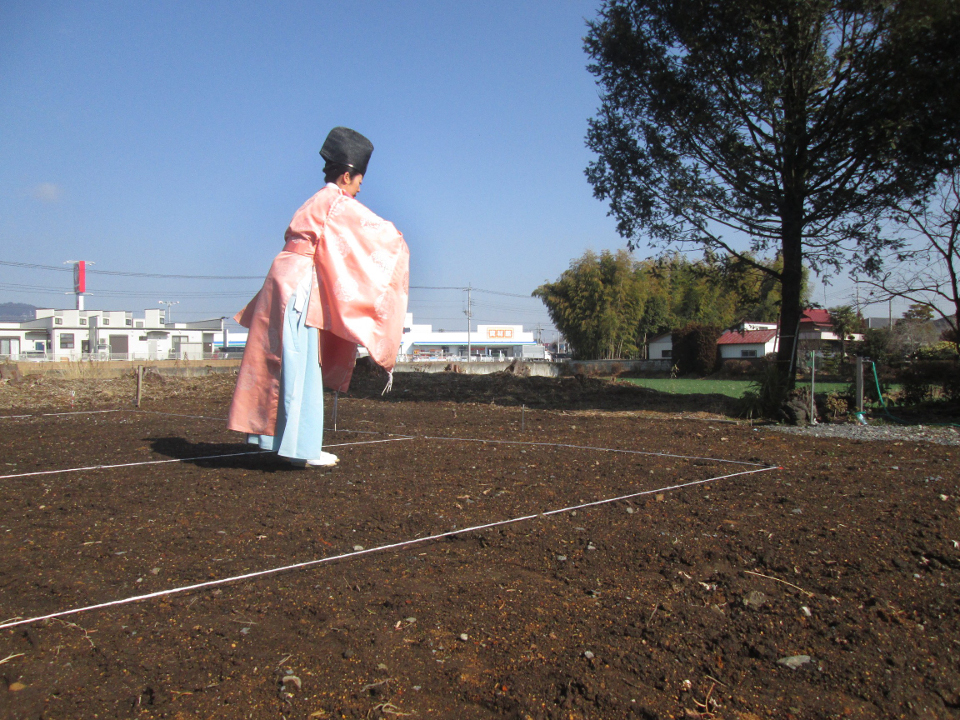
x,y
660,347
753,341
749,340
109,335
488,342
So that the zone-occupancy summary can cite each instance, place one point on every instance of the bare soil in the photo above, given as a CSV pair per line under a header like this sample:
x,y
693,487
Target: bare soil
x,y
802,577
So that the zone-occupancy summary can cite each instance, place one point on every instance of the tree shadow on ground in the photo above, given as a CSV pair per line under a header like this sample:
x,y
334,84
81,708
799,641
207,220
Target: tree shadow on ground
x,y
220,455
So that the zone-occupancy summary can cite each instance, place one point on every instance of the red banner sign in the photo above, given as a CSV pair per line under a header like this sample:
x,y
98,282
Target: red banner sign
x,y
80,277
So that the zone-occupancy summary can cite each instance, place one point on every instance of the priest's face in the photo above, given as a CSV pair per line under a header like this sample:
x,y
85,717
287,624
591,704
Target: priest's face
x,y
350,183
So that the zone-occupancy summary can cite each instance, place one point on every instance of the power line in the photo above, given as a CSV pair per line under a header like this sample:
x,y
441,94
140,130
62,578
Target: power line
x,y
434,287
33,266
16,287
179,276
464,289
120,273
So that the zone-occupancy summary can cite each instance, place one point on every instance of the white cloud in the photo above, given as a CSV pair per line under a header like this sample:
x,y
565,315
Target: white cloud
x,y
46,192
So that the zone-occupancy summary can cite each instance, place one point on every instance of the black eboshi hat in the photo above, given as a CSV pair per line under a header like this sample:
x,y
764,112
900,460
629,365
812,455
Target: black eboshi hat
x,y
347,147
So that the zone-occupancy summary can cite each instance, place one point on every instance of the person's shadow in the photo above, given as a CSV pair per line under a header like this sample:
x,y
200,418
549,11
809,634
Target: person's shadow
x,y
219,455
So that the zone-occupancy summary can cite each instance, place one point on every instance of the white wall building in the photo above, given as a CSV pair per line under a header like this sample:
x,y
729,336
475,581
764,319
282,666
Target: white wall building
x,y
660,347
487,342
749,340
109,335
749,344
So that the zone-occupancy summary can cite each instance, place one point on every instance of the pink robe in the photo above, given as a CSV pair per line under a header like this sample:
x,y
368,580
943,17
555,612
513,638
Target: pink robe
x,y
359,266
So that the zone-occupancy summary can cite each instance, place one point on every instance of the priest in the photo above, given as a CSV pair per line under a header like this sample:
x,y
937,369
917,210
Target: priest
x,y
340,281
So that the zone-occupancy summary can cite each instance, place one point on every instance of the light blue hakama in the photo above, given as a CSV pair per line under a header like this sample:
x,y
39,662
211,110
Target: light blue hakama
x,y
299,430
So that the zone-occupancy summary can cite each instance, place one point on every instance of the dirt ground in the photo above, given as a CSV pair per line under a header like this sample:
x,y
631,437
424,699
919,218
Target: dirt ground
x,y
799,578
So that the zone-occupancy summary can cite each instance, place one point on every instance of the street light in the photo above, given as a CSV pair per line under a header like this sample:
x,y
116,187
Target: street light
x,y
167,316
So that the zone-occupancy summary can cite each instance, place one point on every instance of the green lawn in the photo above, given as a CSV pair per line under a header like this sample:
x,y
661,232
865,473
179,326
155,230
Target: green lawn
x,y
731,388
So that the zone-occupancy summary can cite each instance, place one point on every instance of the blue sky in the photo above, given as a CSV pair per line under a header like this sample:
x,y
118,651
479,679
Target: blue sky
x,y
180,137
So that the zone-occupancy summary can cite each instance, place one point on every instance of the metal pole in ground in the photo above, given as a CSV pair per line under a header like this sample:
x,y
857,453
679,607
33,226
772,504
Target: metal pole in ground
x,y
139,383
523,418
813,385
859,398
336,399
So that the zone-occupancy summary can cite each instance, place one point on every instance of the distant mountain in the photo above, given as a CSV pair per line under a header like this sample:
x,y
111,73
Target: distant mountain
x,y
16,312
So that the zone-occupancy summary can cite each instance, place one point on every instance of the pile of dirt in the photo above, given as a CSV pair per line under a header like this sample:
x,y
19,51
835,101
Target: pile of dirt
x,y
573,392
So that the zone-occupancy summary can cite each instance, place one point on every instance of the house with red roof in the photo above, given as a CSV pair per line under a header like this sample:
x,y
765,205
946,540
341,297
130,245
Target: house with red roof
x,y
755,340
816,326
748,342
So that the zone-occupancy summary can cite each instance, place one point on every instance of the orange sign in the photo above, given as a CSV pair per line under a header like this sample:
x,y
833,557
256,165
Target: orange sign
x,y
500,333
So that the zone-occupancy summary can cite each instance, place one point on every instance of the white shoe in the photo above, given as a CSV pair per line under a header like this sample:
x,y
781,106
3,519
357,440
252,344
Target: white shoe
x,y
325,459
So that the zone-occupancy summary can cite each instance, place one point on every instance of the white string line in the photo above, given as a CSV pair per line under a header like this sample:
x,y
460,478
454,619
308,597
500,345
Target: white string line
x,y
364,432
187,459
207,417
400,437
589,447
73,412
157,412
425,437
380,548
372,442
132,464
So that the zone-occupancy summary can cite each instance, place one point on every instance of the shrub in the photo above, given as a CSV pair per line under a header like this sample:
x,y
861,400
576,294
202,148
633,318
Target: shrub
x,y
695,348
837,404
876,345
926,379
942,350
766,395
951,388
736,368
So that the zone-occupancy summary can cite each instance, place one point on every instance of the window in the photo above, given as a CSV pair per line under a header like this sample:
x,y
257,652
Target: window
x,y
143,338
66,341
666,353
139,323
748,353
83,321
58,321
129,321
106,321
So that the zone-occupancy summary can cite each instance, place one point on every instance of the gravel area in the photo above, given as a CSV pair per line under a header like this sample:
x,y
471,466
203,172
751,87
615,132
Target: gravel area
x,y
941,435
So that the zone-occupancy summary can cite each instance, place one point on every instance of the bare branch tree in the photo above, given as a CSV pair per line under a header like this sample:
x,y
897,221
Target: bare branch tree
x,y
925,267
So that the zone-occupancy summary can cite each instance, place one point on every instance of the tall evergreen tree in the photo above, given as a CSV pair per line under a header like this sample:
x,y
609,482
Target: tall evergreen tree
x,y
788,122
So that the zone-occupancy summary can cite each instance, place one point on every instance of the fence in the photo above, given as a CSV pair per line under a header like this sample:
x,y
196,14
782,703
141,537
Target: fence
x,y
107,356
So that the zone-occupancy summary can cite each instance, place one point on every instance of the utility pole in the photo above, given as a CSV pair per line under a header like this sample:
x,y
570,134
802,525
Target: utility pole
x,y
469,314
167,317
